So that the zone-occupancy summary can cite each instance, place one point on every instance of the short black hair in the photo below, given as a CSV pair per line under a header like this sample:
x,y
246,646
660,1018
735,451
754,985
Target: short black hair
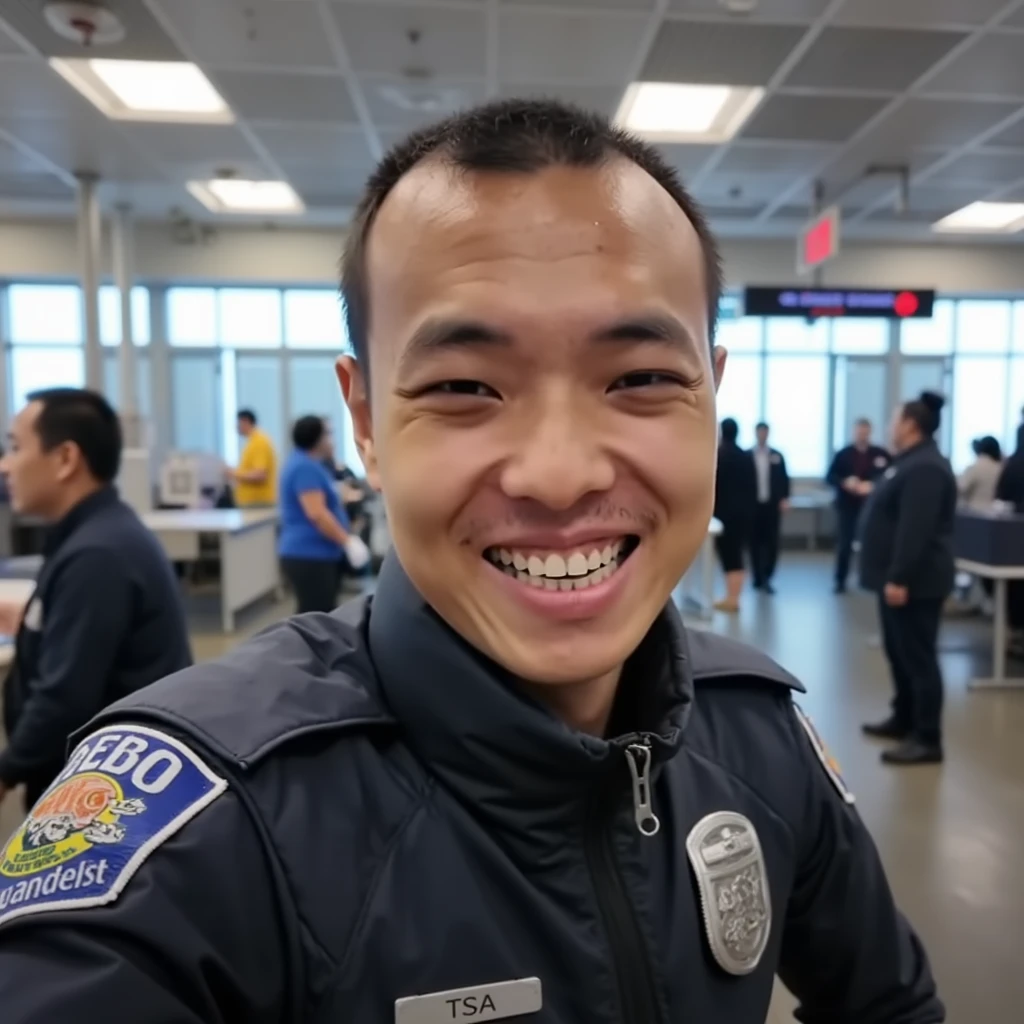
x,y
989,446
762,426
84,418
516,136
247,414
862,421
307,432
925,411
730,429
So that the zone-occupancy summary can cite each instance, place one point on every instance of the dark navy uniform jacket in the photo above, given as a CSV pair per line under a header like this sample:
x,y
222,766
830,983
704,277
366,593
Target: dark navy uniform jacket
x,y
400,820
867,465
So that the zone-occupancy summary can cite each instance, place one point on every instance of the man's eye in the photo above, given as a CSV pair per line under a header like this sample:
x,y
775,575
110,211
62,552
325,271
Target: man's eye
x,y
473,388
644,379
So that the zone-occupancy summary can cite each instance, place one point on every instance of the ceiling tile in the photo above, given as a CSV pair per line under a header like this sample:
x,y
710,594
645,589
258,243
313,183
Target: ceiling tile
x,y
982,167
14,161
752,157
719,52
190,142
867,58
926,122
545,47
32,186
1012,136
741,210
929,203
264,33
413,41
804,11
303,145
687,160
589,6
742,188
29,88
604,99
397,104
266,96
993,65
145,38
828,118
7,44
1016,18
917,13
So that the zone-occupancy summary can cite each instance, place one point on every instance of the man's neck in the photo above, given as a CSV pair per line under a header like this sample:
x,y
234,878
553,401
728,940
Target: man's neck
x,y
585,706
70,500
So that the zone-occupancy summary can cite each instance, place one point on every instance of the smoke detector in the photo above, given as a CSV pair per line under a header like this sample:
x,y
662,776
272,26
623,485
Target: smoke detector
x,y
84,23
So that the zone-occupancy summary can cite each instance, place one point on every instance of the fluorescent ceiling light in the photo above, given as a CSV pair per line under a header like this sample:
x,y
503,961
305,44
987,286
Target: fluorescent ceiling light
x,y
671,112
984,217
236,195
142,90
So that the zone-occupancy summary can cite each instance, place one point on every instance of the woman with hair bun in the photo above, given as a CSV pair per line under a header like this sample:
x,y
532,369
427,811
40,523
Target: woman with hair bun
x,y
907,559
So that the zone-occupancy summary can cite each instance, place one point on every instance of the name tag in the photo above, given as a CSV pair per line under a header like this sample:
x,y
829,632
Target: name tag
x,y
479,1003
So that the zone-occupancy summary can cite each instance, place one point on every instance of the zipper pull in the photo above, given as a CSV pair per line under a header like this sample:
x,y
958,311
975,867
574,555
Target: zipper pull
x,y
638,757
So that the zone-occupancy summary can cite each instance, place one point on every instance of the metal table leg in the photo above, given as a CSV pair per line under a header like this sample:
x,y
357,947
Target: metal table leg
x,y
998,681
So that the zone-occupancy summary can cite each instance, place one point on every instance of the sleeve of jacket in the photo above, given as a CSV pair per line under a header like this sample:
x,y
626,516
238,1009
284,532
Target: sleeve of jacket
x,y
84,625
784,474
848,955
194,938
920,507
834,477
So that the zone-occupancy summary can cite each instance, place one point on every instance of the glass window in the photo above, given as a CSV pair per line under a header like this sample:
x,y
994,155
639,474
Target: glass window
x,y
110,315
34,368
112,383
979,405
313,319
258,387
743,335
932,337
191,316
860,337
1018,326
796,409
739,395
313,391
250,317
45,313
790,334
1014,407
983,326
195,402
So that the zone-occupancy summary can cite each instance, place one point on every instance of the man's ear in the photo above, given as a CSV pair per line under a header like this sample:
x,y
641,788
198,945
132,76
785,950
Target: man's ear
x,y
353,387
718,358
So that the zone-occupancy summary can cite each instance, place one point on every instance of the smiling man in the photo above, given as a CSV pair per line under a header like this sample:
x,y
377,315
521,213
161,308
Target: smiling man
x,y
512,785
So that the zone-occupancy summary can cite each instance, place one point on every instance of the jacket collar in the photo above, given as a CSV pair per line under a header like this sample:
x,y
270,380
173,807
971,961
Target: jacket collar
x,y
499,750
924,446
77,515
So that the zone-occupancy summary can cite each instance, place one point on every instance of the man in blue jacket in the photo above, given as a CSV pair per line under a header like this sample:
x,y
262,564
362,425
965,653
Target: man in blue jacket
x,y
511,785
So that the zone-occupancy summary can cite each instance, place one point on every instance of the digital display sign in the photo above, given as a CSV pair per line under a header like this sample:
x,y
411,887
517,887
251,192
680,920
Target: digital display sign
x,y
810,303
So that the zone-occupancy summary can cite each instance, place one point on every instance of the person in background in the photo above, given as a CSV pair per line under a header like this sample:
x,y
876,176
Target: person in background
x,y
315,538
852,474
735,497
255,479
772,500
1010,489
106,617
906,557
978,483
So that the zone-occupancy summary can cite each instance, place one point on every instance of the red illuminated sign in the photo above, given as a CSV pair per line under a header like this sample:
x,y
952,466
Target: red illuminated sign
x,y
819,241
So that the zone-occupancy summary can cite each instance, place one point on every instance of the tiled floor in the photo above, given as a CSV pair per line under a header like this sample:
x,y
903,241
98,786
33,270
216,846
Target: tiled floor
x,y
952,837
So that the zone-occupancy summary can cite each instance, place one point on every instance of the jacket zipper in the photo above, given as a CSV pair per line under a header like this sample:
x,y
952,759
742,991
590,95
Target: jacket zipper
x,y
626,941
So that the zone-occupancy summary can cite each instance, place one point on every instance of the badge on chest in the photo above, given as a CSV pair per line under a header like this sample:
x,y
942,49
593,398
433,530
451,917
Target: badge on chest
x,y
726,857
478,1003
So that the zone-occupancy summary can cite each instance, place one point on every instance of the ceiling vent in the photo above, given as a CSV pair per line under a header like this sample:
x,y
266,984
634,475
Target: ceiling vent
x,y
422,99
84,23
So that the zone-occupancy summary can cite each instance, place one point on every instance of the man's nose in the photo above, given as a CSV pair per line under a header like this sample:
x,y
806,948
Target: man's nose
x,y
560,457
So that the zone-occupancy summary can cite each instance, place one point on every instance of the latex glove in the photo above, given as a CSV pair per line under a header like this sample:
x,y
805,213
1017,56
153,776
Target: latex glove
x,y
357,553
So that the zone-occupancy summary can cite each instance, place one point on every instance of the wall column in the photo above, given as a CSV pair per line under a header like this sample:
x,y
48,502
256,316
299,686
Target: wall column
x,y
89,229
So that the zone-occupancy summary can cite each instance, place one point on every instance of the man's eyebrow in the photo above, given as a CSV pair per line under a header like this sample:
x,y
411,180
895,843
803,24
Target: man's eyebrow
x,y
439,333
648,327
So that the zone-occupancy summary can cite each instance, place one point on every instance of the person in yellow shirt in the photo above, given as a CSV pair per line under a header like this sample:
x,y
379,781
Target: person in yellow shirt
x,y
255,480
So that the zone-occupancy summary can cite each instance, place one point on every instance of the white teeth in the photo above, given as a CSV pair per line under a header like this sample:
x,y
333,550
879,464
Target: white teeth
x,y
594,560
519,561
565,584
554,566
550,584
577,564
606,555
534,566
505,556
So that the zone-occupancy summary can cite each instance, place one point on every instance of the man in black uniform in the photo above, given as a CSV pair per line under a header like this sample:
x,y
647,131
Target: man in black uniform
x,y
852,474
511,785
106,616
772,501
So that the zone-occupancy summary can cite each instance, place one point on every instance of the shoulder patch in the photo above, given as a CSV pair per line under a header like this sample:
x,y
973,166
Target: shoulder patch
x,y
821,752
124,792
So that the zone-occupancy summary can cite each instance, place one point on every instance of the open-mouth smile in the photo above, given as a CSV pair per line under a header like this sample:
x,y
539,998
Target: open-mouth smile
x,y
573,569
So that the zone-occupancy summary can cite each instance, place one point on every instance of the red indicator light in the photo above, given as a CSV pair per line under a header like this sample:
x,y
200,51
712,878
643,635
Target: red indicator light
x,y
905,304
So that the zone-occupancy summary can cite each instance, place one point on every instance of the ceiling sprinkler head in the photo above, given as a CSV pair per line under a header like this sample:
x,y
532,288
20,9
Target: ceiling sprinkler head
x,y
87,24
739,6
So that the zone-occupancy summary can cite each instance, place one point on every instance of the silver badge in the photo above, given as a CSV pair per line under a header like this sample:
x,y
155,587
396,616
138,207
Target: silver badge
x,y
726,857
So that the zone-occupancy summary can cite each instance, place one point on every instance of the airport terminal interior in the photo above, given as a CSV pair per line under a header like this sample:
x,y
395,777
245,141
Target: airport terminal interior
x,y
176,181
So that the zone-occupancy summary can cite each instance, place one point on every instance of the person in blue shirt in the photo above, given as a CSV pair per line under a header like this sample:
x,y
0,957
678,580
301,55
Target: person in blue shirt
x,y
315,540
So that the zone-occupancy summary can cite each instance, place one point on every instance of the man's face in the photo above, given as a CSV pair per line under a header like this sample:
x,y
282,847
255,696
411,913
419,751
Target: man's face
x,y
244,426
34,476
543,416
762,436
898,429
862,434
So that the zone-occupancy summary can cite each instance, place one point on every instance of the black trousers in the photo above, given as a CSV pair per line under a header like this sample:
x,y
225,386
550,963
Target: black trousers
x,y
847,517
764,541
910,637
315,582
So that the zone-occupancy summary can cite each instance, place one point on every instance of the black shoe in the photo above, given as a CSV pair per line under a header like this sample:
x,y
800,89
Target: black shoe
x,y
890,729
768,588
913,752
